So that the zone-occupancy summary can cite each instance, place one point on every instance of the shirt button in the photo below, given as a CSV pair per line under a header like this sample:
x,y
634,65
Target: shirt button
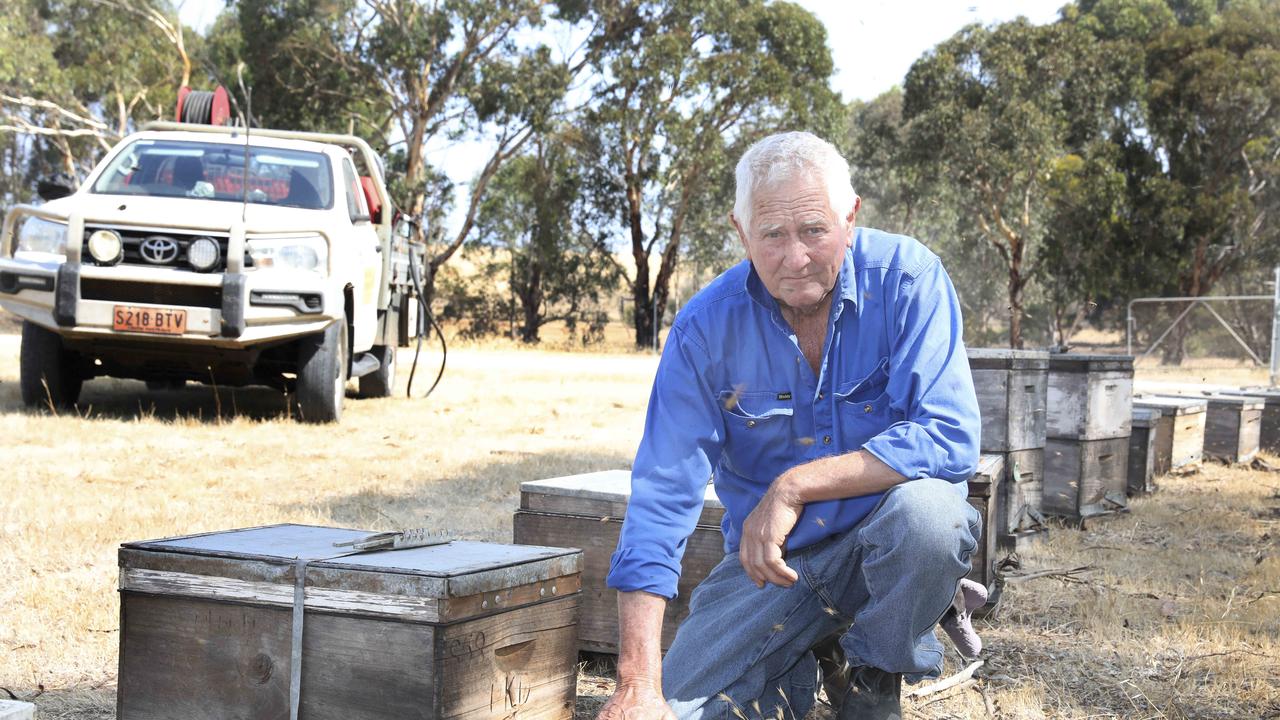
x,y
822,396
866,408
751,423
826,439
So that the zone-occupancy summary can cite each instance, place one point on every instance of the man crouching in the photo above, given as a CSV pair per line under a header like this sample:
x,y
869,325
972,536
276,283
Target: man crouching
x,y
824,386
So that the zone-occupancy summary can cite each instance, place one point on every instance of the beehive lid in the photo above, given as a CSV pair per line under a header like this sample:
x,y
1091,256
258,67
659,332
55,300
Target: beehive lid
x,y
268,554
598,494
1002,359
1171,405
1082,363
989,468
1242,402
1146,416
1269,395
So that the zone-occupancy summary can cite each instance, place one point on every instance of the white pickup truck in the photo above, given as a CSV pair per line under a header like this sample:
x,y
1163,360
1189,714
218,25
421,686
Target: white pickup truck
x,y
191,255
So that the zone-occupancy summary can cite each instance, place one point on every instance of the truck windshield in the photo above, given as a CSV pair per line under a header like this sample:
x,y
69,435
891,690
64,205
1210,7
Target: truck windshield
x,y
216,171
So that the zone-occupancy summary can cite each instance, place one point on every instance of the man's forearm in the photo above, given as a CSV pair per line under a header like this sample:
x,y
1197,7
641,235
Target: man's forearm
x,y
835,477
640,637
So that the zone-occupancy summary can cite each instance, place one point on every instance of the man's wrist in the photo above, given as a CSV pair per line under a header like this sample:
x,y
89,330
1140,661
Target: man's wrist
x,y
787,489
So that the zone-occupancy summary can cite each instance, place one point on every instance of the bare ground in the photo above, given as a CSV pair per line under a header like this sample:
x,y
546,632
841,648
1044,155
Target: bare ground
x,y
1177,614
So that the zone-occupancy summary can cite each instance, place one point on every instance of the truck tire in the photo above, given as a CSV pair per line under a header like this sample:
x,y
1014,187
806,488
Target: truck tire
x,y
381,382
48,373
322,374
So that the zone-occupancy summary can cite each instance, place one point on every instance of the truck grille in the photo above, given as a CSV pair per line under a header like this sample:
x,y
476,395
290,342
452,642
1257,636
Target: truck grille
x,y
132,248
150,293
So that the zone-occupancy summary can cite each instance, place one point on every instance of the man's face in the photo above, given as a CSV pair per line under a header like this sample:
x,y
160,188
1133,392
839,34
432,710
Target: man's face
x,y
796,241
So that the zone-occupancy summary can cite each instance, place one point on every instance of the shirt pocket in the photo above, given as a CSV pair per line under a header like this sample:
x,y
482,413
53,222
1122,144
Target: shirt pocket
x,y
863,408
758,432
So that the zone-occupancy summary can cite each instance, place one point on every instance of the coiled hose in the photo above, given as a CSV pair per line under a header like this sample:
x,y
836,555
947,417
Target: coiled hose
x,y
424,317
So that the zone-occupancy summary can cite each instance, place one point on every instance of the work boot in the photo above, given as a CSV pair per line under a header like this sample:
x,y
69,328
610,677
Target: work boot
x,y
833,669
873,694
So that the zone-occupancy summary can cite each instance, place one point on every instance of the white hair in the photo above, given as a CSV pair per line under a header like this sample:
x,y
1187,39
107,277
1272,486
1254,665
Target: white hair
x,y
782,156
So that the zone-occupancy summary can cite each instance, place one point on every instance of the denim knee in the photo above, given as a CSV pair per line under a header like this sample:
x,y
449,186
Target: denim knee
x,y
927,517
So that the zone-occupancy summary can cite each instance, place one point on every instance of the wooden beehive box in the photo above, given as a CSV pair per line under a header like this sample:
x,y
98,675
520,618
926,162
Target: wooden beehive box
x,y
1269,435
1090,396
1011,387
1233,426
1020,513
462,630
1083,478
1142,450
984,491
1187,423
586,511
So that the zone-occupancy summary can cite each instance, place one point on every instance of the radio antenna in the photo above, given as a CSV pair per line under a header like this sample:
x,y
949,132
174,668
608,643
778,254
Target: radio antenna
x,y
248,121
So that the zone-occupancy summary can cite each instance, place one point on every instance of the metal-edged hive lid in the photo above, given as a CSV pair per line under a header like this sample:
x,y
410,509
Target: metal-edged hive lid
x,y
1243,402
1146,416
598,494
989,468
1171,404
268,554
1269,395
1090,363
1006,359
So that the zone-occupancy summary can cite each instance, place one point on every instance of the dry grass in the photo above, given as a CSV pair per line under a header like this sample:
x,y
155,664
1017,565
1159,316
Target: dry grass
x,y
1177,619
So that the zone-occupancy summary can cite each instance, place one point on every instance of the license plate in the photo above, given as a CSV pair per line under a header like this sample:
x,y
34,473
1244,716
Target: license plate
x,y
161,321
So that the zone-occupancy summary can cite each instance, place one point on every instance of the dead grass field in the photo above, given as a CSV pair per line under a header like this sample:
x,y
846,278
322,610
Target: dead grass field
x,y
1177,615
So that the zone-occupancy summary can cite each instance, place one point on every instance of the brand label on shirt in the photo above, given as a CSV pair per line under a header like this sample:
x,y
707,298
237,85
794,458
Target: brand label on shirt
x,y
784,396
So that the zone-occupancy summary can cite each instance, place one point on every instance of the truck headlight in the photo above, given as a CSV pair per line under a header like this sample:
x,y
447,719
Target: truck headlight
x,y
309,253
43,237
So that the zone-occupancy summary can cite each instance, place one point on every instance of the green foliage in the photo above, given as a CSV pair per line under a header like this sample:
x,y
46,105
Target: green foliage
x,y
681,89
555,268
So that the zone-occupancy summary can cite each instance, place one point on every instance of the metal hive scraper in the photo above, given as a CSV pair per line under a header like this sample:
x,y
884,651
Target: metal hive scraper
x,y
397,540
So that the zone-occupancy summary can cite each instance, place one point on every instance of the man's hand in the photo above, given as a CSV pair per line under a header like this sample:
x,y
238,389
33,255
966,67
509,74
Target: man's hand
x,y
637,699
765,532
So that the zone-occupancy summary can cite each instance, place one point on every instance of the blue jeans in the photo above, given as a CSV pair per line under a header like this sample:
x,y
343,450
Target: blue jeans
x,y
884,584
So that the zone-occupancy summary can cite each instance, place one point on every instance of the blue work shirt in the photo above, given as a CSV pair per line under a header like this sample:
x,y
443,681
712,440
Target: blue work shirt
x,y
734,395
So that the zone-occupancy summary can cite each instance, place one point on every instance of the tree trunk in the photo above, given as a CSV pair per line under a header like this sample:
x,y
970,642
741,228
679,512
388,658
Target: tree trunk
x,y
1016,283
643,304
531,305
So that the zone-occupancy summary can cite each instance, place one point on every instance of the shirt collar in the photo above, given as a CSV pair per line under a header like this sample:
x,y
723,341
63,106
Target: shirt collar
x,y
846,284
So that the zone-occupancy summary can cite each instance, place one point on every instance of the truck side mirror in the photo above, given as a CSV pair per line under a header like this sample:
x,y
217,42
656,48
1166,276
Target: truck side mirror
x,y
52,188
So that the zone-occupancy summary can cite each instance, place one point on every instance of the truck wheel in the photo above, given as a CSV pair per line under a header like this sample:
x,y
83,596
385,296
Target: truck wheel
x,y
381,382
48,373
322,374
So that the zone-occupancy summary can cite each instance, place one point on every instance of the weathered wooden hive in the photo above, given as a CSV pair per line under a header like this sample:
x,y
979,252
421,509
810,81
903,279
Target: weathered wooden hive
x,y
1269,435
1145,428
459,630
1186,418
1012,389
1087,452
586,511
1233,427
984,492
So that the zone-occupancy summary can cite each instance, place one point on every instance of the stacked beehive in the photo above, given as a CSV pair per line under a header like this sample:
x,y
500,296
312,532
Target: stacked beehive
x,y
586,511
1233,426
1087,452
1180,439
1269,435
1012,387
1144,438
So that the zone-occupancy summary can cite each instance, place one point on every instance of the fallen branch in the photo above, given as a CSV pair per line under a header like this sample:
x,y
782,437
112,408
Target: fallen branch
x,y
947,682
950,692
1059,572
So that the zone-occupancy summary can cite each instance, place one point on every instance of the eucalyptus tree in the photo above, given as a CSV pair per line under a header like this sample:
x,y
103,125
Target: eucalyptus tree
x,y
681,86
988,113
556,267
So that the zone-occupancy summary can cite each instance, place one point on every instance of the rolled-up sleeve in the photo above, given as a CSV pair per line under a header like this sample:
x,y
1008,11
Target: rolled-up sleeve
x,y
683,435
930,385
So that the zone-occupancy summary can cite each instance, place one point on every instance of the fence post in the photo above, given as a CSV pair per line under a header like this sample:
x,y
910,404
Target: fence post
x,y
1275,332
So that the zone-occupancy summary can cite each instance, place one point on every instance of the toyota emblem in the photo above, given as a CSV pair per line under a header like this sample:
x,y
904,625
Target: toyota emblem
x,y
159,250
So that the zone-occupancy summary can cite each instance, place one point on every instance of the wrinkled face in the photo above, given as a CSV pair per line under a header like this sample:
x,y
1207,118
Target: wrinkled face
x,y
796,241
